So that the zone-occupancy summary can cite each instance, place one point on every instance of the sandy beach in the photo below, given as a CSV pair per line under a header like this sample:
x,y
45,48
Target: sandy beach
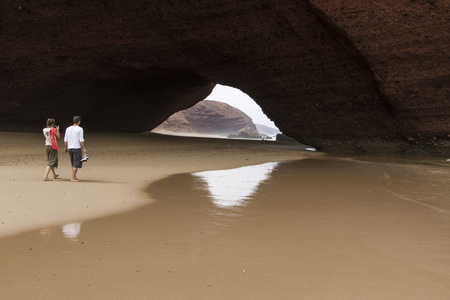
x,y
119,168
140,225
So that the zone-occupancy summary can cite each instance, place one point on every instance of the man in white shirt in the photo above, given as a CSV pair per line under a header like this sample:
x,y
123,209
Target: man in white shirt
x,y
73,143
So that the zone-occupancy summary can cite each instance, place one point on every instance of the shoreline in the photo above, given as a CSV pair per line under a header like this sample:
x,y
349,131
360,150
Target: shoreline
x,y
114,180
143,216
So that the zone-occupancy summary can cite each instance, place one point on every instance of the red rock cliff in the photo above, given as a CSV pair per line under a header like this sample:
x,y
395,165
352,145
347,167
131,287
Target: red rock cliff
x,y
337,75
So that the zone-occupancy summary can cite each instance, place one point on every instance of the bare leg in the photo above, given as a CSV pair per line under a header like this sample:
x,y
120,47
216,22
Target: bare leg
x,y
74,174
47,171
54,173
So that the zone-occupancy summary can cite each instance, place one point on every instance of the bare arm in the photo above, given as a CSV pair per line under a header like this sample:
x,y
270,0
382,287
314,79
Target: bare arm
x,y
57,132
82,146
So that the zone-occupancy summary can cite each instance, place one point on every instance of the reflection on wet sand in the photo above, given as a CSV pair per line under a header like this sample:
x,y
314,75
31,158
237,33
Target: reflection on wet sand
x,y
69,231
318,229
232,188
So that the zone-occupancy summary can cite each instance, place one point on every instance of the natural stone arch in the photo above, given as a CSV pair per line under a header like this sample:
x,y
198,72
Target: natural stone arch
x,y
330,75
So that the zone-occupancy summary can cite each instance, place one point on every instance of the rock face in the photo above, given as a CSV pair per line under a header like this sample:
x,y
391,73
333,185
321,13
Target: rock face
x,y
209,117
270,131
337,75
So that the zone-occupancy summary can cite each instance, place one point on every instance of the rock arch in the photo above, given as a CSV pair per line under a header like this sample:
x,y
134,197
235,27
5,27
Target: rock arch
x,y
340,76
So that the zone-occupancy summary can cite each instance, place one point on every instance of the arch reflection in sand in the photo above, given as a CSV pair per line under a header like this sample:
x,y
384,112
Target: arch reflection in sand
x,y
232,188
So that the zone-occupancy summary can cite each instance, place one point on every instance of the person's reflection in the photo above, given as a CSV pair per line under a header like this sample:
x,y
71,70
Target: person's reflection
x,y
69,231
48,231
232,188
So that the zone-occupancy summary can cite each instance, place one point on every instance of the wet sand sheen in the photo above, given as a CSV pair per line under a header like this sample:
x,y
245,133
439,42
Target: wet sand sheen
x,y
120,166
313,229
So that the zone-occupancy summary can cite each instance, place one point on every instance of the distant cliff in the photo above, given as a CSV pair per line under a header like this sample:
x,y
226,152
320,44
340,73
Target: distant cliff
x,y
209,117
270,131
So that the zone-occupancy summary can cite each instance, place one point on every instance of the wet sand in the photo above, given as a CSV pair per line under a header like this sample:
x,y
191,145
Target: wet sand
x,y
315,227
112,181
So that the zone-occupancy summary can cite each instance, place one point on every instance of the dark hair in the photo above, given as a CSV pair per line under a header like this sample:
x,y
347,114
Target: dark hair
x,y
50,121
76,119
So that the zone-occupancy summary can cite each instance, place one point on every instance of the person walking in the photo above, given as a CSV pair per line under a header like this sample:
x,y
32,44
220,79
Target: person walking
x,y
73,143
51,132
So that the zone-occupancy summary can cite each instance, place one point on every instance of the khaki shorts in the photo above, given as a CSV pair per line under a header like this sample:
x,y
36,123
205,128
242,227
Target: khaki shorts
x,y
52,156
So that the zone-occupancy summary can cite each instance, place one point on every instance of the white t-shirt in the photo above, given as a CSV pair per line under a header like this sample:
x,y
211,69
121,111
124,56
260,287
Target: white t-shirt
x,y
48,137
73,137
46,132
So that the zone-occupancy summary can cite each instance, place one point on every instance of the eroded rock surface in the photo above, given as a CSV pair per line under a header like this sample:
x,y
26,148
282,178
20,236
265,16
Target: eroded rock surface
x,y
209,117
337,75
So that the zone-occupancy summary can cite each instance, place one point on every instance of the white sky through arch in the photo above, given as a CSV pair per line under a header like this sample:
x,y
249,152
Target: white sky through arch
x,y
242,101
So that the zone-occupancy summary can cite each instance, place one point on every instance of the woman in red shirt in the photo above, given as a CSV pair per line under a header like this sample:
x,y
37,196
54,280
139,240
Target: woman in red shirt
x,y
51,132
